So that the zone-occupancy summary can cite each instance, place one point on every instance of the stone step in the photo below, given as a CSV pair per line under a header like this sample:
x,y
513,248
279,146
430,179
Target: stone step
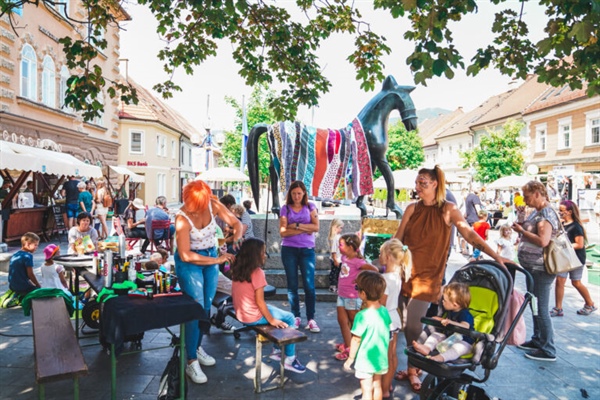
x,y
277,278
274,262
323,295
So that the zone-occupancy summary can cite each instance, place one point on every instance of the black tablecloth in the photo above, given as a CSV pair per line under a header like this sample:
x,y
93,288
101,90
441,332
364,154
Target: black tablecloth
x,y
125,316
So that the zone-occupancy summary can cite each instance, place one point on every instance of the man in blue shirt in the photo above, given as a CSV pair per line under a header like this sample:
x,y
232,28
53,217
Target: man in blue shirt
x,y
159,212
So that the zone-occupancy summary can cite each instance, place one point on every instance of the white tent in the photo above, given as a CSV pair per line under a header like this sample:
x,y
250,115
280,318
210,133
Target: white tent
x,y
403,179
133,177
511,181
16,156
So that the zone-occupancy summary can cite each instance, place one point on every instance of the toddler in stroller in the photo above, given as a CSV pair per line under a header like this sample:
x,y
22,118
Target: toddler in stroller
x,y
490,286
455,303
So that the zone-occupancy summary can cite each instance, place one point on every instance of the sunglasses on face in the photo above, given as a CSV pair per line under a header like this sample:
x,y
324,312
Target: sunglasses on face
x,y
424,184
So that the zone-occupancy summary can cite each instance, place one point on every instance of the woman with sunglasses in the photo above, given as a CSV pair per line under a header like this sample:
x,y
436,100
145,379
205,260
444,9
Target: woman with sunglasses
x,y
569,214
426,228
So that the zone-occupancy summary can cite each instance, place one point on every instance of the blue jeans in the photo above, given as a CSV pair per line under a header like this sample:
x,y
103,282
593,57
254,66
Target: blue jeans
x,y
295,258
200,283
543,331
284,316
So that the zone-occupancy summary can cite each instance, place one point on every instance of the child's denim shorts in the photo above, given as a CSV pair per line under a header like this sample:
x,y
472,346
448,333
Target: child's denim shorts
x,y
349,304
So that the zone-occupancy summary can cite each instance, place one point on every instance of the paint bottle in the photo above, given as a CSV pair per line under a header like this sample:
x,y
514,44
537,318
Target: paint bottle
x,y
108,268
168,284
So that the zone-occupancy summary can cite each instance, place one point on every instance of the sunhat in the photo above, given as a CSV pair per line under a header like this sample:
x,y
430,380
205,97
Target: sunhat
x,y
50,251
138,203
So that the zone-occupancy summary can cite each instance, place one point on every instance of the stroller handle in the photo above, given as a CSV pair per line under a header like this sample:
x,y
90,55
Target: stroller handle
x,y
513,268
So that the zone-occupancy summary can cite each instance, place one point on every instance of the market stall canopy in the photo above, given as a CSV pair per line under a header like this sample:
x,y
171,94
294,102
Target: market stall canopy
x,y
16,156
223,174
511,181
403,179
133,177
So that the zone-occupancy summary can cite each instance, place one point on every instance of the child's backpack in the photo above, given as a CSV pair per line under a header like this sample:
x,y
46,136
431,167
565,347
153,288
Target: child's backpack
x,y
168,388
107,200
9,299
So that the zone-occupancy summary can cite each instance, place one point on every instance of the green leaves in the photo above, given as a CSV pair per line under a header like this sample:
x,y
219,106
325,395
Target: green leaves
x,y
270,46
499,153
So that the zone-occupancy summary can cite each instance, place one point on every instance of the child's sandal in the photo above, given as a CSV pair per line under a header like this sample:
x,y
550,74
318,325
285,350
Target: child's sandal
x,y
343,356
340,347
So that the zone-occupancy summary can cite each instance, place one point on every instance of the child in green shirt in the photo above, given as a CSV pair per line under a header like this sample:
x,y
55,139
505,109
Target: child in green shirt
x,y
370,336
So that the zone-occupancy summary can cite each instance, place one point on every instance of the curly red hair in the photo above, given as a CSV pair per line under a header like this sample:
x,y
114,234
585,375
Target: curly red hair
x,y
196,195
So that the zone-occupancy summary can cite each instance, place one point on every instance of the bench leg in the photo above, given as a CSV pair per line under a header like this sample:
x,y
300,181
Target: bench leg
x,y
282,368
76,388
257,367
41,391
113,373
182,361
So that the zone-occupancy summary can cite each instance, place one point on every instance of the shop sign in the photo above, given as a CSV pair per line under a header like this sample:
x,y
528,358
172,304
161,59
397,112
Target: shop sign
x,y
137,164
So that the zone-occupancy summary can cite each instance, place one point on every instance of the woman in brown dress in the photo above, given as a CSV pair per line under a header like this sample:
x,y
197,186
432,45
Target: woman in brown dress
x,y
425,229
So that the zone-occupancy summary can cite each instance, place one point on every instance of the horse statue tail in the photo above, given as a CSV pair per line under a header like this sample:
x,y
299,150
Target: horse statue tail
x,y
252,152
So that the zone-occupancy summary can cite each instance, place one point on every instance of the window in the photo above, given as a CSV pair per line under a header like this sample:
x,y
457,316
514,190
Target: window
x,y
48,82
540,137
161,184
189,160
136,142
100,119
64,77
174,186
161,145
62,6
592,128
28,73
173,149
564,133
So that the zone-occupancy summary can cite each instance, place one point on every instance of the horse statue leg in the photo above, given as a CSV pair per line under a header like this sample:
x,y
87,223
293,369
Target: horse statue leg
x,y
361,206
386,171
274,189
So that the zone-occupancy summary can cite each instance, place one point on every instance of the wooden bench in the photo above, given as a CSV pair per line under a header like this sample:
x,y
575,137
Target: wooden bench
x,y
57,352
280,337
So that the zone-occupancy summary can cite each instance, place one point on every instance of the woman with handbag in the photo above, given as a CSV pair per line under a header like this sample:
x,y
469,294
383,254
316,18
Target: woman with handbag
x,y
569,213
536,231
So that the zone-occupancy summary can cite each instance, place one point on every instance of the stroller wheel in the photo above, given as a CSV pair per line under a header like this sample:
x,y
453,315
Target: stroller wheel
x,y
91,314
434,387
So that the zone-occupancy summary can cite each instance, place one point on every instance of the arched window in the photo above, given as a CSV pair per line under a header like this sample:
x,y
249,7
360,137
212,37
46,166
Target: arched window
x,y
64,77
28,73
48,82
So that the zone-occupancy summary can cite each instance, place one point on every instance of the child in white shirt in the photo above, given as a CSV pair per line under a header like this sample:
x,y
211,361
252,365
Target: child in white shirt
x,y
53,275
506,244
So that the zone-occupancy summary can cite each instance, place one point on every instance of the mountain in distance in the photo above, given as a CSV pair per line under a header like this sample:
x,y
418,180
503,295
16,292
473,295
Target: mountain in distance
x,y
424,114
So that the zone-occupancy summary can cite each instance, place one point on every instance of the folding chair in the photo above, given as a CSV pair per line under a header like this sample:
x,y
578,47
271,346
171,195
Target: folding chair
x,y
165,225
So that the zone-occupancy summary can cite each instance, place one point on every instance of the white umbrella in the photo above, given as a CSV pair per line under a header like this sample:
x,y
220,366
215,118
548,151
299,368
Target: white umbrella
x,y
223,174
511,181
403,179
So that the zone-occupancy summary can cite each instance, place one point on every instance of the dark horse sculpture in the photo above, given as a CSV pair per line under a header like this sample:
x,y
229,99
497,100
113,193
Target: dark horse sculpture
x,y
374,119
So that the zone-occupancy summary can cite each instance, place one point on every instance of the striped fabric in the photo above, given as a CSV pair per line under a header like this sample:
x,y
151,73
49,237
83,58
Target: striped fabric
x,y
328,161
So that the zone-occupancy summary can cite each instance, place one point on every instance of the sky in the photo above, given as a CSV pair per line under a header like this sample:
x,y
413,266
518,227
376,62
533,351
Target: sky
x,y
202,100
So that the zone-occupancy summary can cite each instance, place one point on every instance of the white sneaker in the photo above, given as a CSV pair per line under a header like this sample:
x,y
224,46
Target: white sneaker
x,y
195,373
297,322
204,358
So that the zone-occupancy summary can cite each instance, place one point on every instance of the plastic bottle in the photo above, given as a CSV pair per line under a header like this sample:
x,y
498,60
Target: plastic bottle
x,y
131,274
168,284
444,345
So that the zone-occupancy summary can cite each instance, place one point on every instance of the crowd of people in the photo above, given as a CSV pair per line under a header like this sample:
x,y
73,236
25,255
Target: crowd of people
x,y
374,303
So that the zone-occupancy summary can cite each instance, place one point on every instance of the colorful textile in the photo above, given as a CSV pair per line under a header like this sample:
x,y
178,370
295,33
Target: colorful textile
x,y
323,159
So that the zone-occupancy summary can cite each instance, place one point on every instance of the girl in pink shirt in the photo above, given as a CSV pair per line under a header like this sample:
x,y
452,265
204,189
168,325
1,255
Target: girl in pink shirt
x,y
348,302
247,289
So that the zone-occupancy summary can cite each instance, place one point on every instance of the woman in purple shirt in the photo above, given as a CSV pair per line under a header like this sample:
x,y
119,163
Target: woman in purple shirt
x,y
298,223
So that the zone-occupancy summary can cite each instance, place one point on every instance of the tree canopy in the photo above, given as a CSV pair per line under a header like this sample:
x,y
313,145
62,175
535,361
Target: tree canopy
x,y
272,46
500,153
405,149
257,111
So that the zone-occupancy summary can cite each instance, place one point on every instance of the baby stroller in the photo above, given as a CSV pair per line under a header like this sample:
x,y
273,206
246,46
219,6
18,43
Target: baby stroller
x,y
491,287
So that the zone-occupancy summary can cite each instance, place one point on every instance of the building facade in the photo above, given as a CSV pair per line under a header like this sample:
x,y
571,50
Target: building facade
x,y
33,80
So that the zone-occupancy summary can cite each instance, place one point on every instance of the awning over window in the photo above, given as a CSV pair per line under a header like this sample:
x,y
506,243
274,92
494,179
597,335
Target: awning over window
x,y
133,177
15,156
